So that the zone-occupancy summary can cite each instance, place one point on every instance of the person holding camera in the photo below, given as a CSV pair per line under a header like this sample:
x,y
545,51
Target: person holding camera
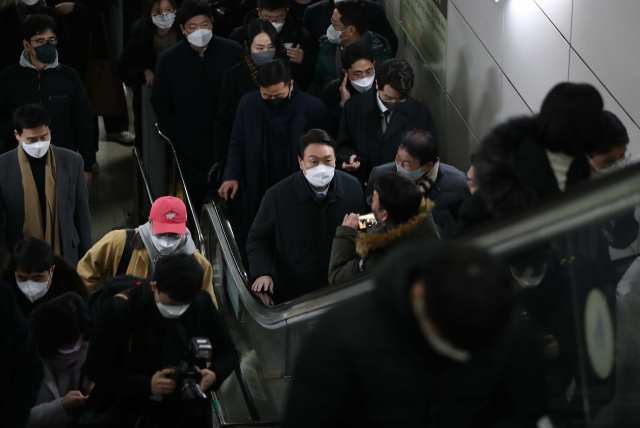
x,y
401,215
142,352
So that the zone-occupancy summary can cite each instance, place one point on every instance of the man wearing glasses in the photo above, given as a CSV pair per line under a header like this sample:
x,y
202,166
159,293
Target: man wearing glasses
x,y
373,123
40,78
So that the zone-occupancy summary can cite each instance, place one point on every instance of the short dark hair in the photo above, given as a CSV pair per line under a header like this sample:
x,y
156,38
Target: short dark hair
x,y
30,116
180,276
354,53
614,134
273,4
399,196
259,26
353,14
396,73
421,145
570,119
31,255
273,73
37,24
191,8
316,136
59,322
468,296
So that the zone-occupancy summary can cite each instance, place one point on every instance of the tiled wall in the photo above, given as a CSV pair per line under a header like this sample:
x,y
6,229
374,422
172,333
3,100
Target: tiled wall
x,y
503,57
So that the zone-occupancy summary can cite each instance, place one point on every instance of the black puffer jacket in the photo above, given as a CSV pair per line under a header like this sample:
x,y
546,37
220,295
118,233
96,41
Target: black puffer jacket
x,y
367,363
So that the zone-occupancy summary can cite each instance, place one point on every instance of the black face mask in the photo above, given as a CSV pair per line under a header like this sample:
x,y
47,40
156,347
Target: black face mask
x,y
46,53
277,103
391,106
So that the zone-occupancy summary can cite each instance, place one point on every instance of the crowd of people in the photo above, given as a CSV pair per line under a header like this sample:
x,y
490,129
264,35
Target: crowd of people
x,y
300,121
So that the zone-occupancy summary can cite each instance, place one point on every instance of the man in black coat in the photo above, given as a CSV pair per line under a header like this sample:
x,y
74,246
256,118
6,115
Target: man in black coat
x,y
436,343
373,124
359,71
264,144
185,92
144,331
417,159
289,243
11,18
42,79
21,370
302,47
317,19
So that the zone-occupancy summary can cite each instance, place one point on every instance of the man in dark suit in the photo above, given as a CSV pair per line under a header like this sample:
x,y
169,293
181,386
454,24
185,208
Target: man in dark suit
x,y
43,192
417,159
373,123
317,19
185,92
264,144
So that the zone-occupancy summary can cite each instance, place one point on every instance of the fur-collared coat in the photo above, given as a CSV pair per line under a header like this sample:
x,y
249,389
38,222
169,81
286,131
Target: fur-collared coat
x,y
355,252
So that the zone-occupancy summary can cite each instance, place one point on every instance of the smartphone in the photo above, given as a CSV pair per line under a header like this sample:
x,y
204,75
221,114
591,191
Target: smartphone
x,y
367,221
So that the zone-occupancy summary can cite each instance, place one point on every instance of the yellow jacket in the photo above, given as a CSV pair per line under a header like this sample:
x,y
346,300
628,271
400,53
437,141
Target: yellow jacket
x,y
104,257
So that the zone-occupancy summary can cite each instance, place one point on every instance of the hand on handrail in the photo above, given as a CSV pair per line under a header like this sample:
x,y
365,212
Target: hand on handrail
x,y
263,283
231,186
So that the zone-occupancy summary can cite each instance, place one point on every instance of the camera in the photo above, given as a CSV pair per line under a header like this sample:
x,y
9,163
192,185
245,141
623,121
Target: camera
x,y
187,373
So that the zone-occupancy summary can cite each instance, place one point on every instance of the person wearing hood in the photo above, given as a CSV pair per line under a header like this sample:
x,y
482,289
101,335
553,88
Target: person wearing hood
x,y
401,215
62,328
301,47
13,15
185,92
266,134
417,159
141,337
40,78
359,71
43,190
373,124
36,275
156,31
263,45
438,342
317,17
136,252
289,243
348,25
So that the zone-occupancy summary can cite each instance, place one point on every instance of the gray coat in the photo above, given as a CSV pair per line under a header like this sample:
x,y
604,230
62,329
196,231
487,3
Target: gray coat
x,y
450,186
73,203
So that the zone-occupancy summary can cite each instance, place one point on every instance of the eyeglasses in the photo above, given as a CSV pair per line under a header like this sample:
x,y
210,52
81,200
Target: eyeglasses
x,y
163,15
40,42
369,200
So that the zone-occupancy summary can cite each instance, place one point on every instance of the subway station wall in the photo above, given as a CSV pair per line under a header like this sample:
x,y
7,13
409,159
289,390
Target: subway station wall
x,y
502,57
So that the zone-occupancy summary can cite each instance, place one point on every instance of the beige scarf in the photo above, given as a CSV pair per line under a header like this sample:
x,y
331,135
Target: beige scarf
x,y
33,221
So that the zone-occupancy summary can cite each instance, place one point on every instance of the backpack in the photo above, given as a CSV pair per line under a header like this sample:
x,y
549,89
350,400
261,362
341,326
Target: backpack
x,y
125,259
113,287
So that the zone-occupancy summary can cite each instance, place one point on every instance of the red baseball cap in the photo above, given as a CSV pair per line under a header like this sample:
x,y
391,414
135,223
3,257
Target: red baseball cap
x,y
169,215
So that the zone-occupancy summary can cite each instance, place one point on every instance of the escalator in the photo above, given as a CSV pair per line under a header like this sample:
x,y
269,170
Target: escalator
x,y
597,384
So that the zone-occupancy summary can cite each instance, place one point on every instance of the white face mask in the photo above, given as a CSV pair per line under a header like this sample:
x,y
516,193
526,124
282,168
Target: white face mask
x,y
411,175
334,35
34,290
200,38
165,244
529,281
320,176
278,26
617,166
171,312
438,344
36,150
364,84
164,21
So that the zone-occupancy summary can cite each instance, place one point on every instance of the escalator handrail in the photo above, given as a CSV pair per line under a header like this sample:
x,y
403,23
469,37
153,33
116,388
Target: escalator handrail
x,y
291,312
143,173
196,219
582,206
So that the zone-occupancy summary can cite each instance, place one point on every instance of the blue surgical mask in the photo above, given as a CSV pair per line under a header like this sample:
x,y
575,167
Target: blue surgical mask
x,y
411,175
